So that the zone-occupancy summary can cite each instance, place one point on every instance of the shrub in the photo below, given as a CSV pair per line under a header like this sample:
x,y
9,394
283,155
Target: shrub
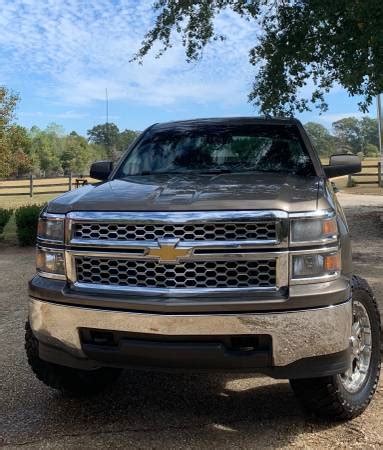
x,y
5,215
361,155
371,151
26,224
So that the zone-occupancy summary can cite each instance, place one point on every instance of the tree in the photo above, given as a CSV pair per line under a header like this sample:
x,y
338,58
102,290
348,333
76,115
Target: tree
x,y
369,130
371,150
76,156
125,138
22,163
357,134
323,141
109,137
8,102
349,134
5,157
46,150
49,151
19,143
323,42
106,134
55,130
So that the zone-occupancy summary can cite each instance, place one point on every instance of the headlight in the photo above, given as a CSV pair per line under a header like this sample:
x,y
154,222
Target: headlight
x,y
321,265
50,263
314,230
51,228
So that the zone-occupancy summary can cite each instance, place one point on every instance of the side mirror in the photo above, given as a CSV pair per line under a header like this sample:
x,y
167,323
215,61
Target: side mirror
x,y
344,164
100,170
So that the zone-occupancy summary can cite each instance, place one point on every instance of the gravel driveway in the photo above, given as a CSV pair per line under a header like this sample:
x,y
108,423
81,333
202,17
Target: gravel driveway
x,y
167,410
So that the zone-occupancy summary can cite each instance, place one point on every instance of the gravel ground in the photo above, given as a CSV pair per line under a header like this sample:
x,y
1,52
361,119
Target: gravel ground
x,y
168,410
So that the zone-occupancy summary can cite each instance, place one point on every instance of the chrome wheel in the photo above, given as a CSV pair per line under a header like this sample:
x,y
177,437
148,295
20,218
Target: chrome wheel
x,y
354,378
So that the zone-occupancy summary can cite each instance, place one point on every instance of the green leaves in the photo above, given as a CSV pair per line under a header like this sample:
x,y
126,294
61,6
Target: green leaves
x,y
194,21
51,151
350,135
323,141
8,102
109,137
9,134
357,134
312,44
5,215
105,134
26,223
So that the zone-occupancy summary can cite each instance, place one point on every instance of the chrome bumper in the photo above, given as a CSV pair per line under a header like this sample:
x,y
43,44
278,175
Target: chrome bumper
x,y
295,335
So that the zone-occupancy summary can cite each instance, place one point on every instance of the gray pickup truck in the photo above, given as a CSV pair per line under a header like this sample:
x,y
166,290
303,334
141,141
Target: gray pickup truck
x,y
212,245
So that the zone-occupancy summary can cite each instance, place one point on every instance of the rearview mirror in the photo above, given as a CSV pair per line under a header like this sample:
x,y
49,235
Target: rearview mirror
x,y
344,164
100,170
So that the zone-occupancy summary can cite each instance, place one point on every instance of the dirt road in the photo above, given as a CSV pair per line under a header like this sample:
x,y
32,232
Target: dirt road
x,y
167,410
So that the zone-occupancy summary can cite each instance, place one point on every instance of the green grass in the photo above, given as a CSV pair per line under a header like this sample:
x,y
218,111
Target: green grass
x,y
9,236
14,201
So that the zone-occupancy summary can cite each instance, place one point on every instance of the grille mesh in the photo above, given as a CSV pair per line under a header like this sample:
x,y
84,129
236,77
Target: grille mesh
x,y
183,232
191,274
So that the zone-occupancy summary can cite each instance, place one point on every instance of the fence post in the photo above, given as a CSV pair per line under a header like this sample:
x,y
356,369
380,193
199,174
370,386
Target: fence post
x,y
31,185
380,184
70,181
349,181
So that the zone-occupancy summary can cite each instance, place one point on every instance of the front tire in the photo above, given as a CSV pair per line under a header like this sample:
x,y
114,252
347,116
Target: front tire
x,y
69,381
345,396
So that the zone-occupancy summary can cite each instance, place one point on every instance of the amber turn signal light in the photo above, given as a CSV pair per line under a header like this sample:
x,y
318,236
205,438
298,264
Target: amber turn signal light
x,y
329,227
332,263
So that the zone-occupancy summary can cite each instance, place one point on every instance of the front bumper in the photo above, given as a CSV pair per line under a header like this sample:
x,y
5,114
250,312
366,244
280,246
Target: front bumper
x,y
297,297
298,338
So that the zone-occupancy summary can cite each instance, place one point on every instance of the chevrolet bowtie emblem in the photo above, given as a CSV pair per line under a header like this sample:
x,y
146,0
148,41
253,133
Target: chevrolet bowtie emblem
x,y
168,252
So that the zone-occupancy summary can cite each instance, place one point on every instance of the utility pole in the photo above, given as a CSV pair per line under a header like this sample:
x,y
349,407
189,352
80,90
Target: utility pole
x,y
380,125
107,105
107,119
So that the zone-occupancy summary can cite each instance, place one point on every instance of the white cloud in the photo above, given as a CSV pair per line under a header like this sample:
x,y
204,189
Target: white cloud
x,y
79,47
53,116
330,118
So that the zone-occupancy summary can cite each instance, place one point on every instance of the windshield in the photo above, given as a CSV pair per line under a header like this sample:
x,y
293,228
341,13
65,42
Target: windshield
x,y
212,149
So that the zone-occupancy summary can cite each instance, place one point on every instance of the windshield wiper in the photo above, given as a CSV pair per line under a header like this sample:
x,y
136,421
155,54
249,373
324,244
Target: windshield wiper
x,y
186,172
215,171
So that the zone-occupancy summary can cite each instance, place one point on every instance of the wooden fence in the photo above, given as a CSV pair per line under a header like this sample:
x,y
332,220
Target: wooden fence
x,y
33,187
377,175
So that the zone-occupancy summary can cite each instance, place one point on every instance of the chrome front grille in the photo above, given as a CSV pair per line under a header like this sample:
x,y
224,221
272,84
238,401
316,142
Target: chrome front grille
x,y
235,231
178,253
184,275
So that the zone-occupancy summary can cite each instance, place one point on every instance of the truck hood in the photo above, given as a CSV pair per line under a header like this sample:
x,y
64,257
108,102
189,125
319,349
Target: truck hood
x,y
164,192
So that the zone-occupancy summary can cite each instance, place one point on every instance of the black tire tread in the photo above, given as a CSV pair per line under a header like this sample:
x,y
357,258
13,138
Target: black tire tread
x,y
321,395
69,381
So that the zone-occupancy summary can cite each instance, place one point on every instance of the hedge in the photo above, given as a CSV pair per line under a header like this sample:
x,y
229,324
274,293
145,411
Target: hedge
x,y
26,223
5,215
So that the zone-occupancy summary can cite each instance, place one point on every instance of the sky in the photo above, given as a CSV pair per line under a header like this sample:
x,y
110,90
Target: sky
x,y
61,55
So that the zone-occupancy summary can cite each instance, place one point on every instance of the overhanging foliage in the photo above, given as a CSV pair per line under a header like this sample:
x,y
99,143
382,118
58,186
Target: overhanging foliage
x,y
320,43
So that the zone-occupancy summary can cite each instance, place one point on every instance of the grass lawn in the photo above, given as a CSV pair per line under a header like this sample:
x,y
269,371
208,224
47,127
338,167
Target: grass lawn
x,y
9,236
41,196
14,201
41,190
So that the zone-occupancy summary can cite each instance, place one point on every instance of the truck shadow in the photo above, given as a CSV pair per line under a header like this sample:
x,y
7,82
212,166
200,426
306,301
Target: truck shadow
x,y
174,407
